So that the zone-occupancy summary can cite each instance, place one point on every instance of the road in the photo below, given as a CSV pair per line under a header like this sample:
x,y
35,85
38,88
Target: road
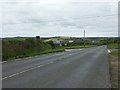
x,y
86,68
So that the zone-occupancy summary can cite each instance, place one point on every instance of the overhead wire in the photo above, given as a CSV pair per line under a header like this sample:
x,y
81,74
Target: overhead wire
x,y
43,21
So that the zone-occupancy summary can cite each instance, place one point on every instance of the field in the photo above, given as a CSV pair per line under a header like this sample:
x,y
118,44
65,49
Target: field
x,y
114,45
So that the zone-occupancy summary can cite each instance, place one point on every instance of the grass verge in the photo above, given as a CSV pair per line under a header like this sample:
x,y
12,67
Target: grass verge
x,y
38,53
115,53
113,62
77,47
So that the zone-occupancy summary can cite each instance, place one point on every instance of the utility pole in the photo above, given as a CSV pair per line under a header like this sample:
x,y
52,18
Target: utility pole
x,y
84,38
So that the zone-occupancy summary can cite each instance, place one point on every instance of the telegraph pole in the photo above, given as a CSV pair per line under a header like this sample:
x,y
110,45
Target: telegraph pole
x,y
84,38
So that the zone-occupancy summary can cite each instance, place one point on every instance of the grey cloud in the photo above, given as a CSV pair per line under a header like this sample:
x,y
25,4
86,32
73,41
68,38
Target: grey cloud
x,y
65,17
67,24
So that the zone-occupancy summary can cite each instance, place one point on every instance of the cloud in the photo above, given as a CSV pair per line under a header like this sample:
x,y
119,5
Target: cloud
x,y
58,17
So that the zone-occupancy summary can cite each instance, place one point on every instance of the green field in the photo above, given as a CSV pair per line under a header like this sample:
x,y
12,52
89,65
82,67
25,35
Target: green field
x,y
112,46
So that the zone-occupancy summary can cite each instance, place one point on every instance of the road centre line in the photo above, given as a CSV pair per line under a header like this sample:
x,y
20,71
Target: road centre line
x,y
109,51
26,70
3,62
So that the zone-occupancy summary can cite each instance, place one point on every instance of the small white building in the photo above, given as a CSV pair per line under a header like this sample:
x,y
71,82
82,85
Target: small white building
x,y
71,41
56,41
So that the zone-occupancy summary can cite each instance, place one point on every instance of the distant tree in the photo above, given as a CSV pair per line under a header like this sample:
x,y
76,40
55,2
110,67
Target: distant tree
x,y
38,37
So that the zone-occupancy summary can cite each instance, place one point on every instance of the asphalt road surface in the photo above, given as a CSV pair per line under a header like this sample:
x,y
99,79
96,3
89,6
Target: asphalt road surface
x,y
86,68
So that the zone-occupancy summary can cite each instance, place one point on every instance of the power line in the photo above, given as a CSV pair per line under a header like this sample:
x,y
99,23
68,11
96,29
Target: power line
x,y
43,21
97,16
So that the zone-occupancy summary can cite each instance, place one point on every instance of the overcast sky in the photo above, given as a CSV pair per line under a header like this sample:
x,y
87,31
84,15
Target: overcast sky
x,y
58,18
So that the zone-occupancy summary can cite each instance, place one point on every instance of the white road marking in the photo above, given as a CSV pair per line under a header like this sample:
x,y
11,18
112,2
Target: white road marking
x,y
67,50
27,70
28,57
18,59
3,61
109,51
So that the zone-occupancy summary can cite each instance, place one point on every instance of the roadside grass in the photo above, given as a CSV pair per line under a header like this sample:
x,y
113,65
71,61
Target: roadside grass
x,y
35,53
113,62
54,50
77,47
46,52
113,46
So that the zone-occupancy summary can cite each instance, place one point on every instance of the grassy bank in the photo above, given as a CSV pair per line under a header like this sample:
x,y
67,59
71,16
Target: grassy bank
x,y
19,48
113,61
47,51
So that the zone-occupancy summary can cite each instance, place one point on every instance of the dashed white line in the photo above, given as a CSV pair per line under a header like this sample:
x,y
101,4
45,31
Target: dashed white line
x,y
28,57
26,70
18,59
68,50
109,51
3,61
